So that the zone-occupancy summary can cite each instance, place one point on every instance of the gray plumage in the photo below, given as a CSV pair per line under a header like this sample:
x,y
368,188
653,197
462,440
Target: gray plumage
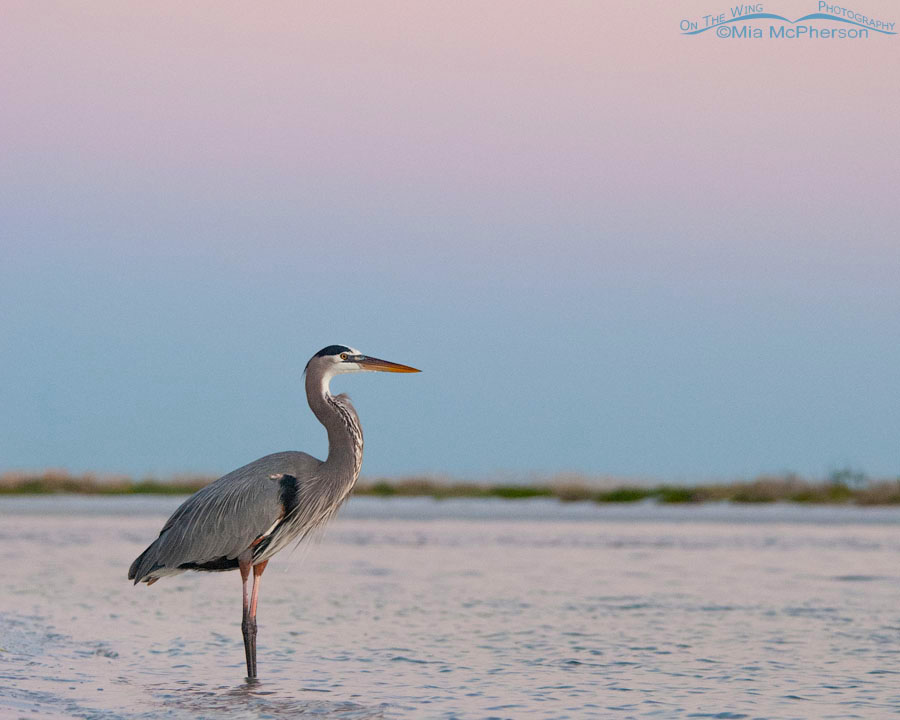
x,y
242,519
223,519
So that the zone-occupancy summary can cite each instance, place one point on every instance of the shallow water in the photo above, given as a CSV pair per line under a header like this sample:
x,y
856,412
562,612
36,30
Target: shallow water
x,y
462,609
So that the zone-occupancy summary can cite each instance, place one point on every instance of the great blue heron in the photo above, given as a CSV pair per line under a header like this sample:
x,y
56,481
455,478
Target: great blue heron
x,y
245,517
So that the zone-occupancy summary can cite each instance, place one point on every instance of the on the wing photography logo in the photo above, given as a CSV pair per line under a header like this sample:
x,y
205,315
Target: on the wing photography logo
x,y
752,21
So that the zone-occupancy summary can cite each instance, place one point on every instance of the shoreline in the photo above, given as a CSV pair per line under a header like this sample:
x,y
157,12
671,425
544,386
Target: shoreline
x,y
765,490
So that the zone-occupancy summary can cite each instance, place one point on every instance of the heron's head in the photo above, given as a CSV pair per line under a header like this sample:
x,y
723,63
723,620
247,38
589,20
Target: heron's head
x,y
339,359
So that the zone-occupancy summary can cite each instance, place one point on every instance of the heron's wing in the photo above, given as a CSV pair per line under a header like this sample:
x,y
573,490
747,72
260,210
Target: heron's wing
x,y
223,519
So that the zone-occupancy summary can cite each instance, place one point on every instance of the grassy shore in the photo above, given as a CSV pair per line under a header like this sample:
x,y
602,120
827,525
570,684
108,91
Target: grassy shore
x,y
840,489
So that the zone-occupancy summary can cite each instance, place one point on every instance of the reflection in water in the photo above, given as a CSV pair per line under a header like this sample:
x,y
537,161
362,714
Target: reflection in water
x,y
254,699
472,617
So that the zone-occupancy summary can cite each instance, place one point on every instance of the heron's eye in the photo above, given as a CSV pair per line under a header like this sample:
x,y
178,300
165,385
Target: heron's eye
x,y
343,356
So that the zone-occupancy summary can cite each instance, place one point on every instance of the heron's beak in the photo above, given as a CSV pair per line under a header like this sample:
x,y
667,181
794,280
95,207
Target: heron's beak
x,y
370,363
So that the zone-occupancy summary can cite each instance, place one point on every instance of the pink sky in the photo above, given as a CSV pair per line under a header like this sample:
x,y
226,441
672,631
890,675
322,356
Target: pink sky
x,y
535,109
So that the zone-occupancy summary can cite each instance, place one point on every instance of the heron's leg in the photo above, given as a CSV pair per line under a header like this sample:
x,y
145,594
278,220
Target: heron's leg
x,y
247,629
257,574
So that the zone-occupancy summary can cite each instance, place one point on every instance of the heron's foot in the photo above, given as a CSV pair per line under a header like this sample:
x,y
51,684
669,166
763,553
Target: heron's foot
x,y
248,627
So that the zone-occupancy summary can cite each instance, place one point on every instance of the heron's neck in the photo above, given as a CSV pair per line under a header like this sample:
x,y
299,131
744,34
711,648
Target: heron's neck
x,y
345,439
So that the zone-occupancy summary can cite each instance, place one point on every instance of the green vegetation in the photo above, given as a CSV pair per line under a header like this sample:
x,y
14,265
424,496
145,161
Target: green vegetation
x,y
841,488
623,494
54,481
